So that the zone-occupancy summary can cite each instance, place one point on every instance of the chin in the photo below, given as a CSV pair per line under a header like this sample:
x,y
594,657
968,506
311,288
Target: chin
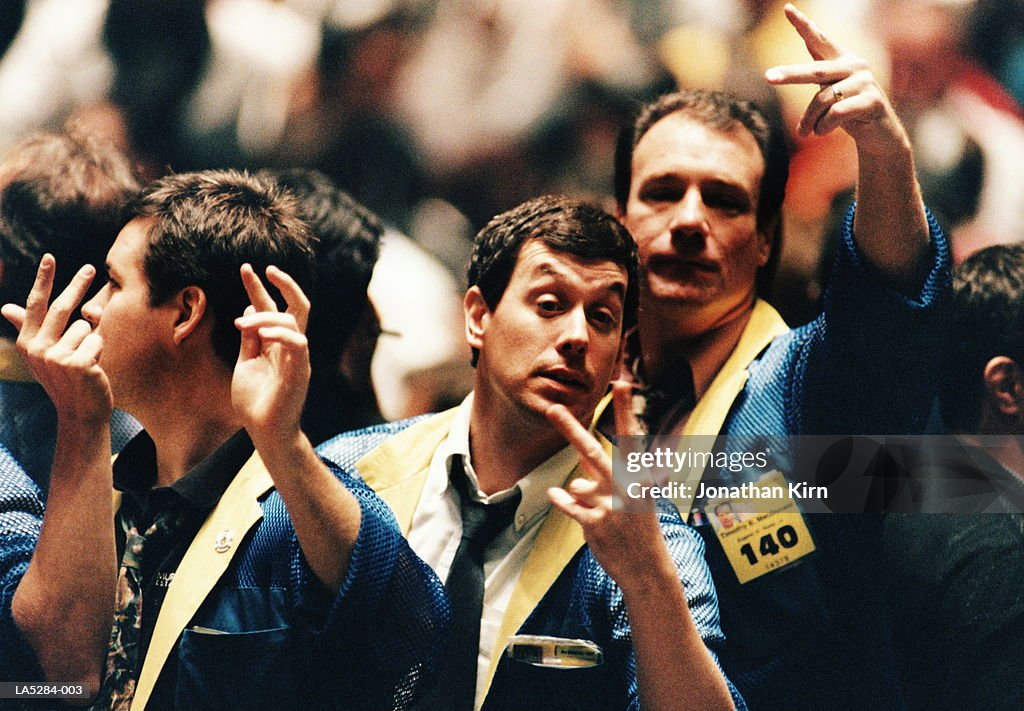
x,y
538,405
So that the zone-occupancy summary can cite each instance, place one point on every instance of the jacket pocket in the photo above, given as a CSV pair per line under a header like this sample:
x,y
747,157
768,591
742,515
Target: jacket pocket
x,y
236,670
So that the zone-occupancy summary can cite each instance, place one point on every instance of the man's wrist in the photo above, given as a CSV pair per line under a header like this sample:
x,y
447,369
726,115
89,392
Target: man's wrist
x,y
289,446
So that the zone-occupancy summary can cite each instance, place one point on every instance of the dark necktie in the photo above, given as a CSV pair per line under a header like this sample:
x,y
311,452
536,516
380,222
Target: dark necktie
x,y
456,690
121,670
669,397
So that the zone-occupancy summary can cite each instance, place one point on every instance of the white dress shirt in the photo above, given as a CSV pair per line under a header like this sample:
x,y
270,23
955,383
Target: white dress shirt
x,y
437,526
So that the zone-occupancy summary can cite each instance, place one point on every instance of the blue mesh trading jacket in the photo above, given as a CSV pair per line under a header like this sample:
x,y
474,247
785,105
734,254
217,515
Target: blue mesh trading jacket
x,y
582,602
282,641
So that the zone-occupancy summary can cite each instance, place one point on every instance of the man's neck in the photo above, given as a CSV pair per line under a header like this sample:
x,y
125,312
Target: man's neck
x,y
1007,448
187,426
505,447
665,337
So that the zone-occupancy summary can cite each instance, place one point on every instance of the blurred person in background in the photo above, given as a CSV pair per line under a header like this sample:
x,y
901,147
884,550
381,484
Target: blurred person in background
x,y
343,325
954,578
65,194
967,130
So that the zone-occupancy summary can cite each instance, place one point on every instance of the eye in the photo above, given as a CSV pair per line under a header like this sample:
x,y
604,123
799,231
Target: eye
x,y
549,305
604,319
727,202
660,193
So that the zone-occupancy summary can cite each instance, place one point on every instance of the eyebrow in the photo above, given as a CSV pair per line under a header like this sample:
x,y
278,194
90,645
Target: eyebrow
x,y
547,269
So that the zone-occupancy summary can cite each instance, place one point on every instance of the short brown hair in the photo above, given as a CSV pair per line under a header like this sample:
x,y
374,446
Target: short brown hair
x,y
206,226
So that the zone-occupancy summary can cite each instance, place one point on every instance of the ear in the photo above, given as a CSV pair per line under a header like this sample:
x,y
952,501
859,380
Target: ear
x,y
190,308
1004,386
478,315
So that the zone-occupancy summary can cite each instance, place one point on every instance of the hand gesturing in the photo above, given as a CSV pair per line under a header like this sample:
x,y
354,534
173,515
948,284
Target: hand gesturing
x,y
64,362
272,372
849,98
624,538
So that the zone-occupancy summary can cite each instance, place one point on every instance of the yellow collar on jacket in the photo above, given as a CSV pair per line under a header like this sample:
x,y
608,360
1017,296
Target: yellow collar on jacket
x,y
12,366
708,416
397,471
205,561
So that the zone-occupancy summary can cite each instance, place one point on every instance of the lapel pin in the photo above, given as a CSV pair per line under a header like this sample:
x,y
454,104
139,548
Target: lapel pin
x,y
223,542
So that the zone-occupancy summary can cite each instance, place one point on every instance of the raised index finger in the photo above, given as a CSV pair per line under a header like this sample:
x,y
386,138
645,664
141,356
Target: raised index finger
x,y
592,454
818,44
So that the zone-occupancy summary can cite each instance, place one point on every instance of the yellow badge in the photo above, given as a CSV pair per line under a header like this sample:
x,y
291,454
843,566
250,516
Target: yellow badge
x,y
763,533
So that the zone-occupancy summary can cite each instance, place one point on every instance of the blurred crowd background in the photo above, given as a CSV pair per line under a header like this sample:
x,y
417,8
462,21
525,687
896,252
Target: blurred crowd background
x,y
438,114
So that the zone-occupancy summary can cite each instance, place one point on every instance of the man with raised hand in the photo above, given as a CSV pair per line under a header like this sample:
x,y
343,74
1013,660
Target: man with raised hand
x,y
552,287
250,572
700,183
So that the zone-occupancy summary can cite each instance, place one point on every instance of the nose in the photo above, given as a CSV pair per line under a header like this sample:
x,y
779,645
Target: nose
x,y
689,218
93,308
575,336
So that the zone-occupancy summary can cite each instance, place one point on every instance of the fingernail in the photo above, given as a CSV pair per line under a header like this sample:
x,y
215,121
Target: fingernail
x,y
773,75
87,271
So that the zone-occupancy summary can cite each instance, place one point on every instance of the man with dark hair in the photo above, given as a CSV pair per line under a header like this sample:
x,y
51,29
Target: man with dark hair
x,y
542,577
343,325
66,194
982,381
954,578
700,186
250,573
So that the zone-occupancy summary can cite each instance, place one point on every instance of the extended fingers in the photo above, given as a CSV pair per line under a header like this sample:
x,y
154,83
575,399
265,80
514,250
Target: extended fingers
x,y
817,43
56,318
823,72
298,302
592,454
258,294
14,314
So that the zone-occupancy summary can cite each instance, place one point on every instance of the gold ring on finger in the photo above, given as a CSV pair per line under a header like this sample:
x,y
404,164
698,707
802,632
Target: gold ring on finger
x,y
837,95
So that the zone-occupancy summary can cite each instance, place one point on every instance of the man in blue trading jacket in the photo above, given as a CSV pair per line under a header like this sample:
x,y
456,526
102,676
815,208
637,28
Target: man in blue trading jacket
x,y
552,287
700,186
251,575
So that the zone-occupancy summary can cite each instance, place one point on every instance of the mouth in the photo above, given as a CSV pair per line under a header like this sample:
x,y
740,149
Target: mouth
x,y
568,378
675,264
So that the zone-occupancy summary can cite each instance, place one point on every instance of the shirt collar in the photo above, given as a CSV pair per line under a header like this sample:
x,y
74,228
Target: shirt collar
x,y
202,486
534,486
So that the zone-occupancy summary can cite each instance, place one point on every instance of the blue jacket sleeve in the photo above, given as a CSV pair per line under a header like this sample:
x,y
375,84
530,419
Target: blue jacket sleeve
x,y
21,517
865,365
383,634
